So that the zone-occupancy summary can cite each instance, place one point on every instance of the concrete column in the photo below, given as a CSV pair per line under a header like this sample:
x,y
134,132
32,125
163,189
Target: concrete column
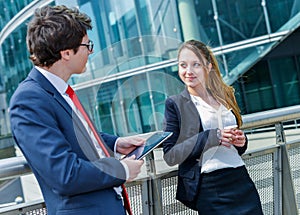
x,y
189,23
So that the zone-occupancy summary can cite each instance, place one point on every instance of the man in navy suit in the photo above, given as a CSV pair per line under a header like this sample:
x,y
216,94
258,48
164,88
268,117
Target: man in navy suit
x,y
74,175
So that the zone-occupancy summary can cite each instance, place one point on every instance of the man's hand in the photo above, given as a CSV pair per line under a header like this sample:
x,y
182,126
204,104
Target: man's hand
x,y
134,167
126,145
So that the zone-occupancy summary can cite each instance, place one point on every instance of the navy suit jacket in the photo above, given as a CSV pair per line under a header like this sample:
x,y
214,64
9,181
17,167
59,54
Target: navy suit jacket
x,y
72,177
187,144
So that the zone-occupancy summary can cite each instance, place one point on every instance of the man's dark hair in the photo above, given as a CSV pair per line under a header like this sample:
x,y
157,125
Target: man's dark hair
x,y
54,29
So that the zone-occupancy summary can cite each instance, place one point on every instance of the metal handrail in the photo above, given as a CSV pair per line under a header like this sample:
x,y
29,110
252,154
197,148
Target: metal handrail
x,y
17,166
23,208
13,167
271,117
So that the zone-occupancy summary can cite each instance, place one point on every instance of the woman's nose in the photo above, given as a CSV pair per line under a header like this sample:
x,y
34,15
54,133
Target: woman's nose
x,y
189,69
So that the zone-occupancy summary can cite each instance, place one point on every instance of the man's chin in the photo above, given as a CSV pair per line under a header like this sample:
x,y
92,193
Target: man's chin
x,y
84,70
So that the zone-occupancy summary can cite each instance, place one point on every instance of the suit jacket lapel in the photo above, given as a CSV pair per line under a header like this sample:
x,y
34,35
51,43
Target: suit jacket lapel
x,y
78,126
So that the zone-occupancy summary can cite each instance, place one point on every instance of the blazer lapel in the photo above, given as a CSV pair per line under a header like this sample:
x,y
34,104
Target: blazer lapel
x,y
189,112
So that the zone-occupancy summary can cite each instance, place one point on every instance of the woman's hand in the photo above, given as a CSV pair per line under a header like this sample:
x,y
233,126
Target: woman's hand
x,y
232,136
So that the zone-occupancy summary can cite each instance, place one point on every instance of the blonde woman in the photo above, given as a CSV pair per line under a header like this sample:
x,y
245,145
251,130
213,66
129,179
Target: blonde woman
x,y
207,141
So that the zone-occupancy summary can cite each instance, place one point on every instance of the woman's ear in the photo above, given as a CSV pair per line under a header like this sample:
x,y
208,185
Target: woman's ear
x,y
209,66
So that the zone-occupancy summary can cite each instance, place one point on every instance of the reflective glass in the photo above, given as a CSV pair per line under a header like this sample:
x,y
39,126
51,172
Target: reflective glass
x,y
286,81
241,21
258,88
207,24
238,20
280,12
131,35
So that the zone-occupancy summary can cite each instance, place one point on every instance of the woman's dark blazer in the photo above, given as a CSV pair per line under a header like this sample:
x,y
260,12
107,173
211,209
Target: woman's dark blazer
x,y
187,143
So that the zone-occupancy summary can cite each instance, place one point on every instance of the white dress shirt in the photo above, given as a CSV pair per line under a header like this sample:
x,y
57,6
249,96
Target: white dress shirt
x,y
217,157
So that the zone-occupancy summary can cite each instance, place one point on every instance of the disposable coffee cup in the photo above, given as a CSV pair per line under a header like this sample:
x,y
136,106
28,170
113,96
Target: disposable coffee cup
x,y
230,127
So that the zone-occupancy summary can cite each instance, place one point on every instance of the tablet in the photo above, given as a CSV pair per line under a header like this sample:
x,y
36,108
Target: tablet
x,y
151,143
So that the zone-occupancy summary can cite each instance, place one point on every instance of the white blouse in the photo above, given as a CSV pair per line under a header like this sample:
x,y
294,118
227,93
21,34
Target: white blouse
x,y
217,157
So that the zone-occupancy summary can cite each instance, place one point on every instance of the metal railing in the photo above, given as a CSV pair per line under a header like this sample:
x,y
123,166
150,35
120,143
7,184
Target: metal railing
x,y
274,169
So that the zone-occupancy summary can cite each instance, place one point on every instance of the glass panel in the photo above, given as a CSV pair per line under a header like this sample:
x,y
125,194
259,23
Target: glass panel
x,y
235,25
208,29
240,20
130,34
130,105
267,100
143,101
263,92
286,81
281,11
241,60
239,95
253,96
9,8
15,59
258,89
154,49
136,103
104,116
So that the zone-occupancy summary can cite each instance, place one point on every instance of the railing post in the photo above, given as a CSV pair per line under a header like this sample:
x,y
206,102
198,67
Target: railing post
x,y
145,198
289,203
154,189
277,168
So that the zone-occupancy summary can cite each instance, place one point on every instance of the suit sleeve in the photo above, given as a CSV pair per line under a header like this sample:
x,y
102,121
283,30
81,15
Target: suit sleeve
x,y
47,139
109,139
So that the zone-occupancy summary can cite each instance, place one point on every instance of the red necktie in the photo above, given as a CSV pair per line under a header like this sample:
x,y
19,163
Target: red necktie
x,y
77,103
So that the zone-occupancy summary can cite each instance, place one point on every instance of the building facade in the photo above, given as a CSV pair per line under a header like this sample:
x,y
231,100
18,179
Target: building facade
x,y
133,68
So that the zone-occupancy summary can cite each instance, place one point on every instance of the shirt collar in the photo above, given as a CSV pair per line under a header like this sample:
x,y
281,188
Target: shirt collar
x,y
59,84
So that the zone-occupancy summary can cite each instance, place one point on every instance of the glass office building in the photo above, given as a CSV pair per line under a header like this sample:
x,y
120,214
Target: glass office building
x,y
133,68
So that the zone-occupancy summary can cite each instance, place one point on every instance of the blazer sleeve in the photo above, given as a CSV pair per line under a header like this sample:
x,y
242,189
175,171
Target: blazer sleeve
x,y
242,150
44,132
190,148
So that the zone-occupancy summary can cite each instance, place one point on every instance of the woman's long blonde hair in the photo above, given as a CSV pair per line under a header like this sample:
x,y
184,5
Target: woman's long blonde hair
x,y
215,85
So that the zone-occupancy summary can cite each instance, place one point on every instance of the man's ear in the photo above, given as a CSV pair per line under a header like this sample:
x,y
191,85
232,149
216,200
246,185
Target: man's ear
x,y
65,54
